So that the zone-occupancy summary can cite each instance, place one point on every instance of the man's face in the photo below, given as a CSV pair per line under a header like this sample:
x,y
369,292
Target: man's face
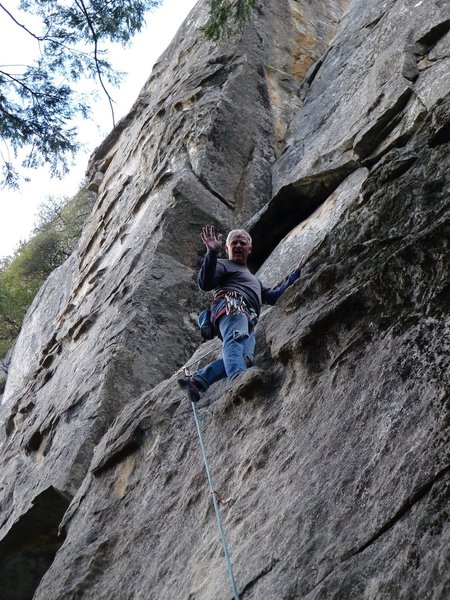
x,y
238,249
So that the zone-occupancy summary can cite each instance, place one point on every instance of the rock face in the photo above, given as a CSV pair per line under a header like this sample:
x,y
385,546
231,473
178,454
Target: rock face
x,y
330,138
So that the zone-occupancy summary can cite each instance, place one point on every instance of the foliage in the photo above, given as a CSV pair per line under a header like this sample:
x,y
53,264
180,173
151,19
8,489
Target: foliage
x,y
38,102
16,294
227,17
66,217
21,276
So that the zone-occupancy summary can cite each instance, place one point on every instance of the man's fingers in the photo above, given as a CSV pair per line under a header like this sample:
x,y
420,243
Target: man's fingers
x,y
208,232
209,237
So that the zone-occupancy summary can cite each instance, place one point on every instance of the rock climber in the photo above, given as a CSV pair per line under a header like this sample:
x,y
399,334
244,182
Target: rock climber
x,y
238,296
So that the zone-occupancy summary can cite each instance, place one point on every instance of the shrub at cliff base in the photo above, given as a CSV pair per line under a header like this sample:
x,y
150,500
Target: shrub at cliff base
x,y
59,227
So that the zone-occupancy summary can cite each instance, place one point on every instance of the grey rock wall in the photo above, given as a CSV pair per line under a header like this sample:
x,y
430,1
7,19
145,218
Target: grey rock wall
x,y
333,455
368,94
119,317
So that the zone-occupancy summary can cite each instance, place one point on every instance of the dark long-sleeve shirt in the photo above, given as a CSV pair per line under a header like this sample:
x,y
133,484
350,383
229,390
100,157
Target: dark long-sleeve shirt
x,y
223,274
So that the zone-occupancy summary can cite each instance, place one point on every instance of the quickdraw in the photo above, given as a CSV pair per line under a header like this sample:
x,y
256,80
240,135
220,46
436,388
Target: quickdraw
x,y
234,305
221,501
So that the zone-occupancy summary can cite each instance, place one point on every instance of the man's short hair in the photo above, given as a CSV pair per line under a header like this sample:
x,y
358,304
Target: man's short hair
x,y
239,232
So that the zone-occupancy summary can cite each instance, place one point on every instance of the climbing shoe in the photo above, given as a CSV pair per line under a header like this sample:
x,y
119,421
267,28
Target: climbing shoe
x,y
189,387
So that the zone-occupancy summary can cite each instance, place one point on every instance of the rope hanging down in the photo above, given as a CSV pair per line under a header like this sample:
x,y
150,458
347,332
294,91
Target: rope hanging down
x,y
216,506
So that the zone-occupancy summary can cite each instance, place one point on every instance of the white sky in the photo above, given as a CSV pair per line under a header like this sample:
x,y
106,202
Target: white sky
x,y
18,208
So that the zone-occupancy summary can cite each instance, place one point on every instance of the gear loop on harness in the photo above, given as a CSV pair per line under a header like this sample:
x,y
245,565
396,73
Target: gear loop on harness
x,y
231,302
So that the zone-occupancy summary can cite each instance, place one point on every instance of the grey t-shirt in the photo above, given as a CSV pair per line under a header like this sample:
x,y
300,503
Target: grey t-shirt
x,y
223,274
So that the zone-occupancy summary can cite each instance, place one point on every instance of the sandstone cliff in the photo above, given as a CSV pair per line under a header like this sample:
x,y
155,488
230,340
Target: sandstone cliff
x,y
324,129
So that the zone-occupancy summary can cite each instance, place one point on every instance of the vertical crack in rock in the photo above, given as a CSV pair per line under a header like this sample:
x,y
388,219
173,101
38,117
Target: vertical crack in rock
x,y
204,183
367,140
29,547
406,507
415,497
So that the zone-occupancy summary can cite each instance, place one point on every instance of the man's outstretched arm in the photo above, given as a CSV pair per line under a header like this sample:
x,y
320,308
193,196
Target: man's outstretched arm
x,y
271,295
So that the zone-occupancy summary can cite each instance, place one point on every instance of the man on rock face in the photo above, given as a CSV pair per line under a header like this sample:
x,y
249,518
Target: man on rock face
x,y
238,296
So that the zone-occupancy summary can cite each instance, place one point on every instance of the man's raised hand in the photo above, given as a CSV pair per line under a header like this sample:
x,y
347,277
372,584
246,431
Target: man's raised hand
x,y
211,240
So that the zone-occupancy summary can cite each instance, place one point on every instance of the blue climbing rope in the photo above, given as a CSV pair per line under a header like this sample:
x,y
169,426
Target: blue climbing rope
x,y
216,506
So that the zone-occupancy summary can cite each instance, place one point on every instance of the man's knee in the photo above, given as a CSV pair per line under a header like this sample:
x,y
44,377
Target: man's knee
x,y
240,336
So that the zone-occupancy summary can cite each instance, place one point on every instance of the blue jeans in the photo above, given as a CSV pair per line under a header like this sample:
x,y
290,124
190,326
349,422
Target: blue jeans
x,y
238,346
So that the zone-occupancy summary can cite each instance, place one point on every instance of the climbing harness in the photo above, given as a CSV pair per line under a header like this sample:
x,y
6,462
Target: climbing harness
x,y
232,303
227,303
216,499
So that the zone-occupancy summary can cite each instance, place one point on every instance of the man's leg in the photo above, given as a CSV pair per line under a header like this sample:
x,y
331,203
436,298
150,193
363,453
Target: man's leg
x,y
210,374
238,354
237,341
